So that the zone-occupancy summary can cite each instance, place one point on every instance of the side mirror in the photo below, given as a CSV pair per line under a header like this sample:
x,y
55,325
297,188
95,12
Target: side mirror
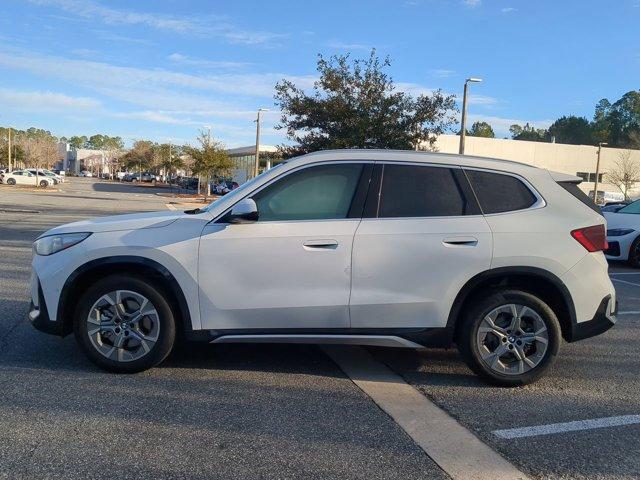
x,y
245,211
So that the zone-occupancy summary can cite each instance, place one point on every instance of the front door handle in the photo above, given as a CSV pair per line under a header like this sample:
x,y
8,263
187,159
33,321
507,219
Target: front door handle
x,y
320,244
460,241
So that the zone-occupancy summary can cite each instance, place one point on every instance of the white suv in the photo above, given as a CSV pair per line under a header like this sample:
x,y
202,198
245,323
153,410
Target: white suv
x,y
367,247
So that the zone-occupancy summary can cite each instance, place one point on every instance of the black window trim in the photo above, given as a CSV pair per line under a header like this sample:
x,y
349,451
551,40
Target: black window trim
x,y
539,203
372,206
359,185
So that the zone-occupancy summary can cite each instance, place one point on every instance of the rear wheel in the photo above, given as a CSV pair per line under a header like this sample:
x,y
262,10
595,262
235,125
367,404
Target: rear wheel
x,y
124,324
510,338
11,181
44,183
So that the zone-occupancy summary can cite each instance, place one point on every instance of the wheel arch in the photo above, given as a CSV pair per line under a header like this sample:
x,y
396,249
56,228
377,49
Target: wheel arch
x,y
537,281
81,278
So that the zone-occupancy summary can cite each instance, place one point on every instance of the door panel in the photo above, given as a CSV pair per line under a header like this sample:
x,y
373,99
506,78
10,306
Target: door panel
x,y
292,268
407,272
270,275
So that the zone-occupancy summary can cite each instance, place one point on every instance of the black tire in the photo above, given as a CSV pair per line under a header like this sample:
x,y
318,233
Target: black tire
x,y
11,181
468,342
165,318
634,254
44,183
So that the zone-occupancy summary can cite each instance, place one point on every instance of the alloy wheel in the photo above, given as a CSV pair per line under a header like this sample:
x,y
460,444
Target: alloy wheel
x,y
512,339
123,325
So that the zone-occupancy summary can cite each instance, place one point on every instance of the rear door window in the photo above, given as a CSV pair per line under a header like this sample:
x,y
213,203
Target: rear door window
x,y
498,193
424,191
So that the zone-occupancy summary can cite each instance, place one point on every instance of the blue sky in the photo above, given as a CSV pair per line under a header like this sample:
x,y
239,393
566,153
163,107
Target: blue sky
x,y
164,69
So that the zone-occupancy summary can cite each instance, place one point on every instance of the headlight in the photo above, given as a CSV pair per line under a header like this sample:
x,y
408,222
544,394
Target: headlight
x,y
618,232
54,243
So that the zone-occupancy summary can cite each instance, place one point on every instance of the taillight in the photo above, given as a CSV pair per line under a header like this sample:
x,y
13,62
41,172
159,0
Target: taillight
x,y
594,239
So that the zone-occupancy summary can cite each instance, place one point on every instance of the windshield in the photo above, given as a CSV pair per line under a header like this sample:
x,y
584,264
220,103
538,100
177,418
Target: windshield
x,y
631,208
239,192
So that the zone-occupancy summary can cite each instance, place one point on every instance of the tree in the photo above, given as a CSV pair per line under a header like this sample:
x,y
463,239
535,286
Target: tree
x,y
625,173
210,159
169,158
481,129
572,130
528,132
78,142
355,104
616,123
140,157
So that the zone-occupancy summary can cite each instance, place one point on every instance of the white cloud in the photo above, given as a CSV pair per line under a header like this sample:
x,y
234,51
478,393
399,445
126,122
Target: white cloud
x,y
137,85
83,52
158,117
415,89
509,10
178,58
348,46
442,73
472,3
201,26
36,101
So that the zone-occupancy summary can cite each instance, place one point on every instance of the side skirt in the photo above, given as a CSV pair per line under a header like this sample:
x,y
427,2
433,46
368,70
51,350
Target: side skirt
x,y
369,340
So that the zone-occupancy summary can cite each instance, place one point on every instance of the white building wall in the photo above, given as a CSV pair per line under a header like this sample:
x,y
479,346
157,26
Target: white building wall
x,y
558,157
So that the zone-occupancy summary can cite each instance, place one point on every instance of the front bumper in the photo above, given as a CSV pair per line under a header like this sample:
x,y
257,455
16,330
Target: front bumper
x,y
604,319
38,314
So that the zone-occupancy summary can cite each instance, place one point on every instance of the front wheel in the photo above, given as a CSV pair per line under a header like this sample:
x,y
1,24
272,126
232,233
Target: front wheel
x,y
510,338
11,181
124,324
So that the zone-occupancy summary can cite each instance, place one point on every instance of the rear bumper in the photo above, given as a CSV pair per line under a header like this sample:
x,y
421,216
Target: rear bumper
x,y
604,319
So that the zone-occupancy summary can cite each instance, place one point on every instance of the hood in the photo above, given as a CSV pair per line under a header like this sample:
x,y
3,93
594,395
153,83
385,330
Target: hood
x,y
113,223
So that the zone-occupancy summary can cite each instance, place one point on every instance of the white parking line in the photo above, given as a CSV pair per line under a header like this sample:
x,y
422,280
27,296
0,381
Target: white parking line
x,y
567,427
630,312
624,273
625,282
170,206
454,448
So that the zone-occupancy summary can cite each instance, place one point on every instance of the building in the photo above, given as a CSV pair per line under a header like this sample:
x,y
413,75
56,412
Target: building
x,y
577,160
245,161
75,160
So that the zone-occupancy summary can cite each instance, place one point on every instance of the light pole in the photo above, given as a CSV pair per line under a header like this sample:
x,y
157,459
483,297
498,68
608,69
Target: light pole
x,y
9,151
463,128
257,166
595,183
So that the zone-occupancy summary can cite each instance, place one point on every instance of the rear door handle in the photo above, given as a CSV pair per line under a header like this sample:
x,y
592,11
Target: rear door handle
x,y
320,244
460,242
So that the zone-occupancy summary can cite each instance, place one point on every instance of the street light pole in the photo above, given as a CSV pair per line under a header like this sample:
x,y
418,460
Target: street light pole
x,y
463,127
595,183
9,151
257,153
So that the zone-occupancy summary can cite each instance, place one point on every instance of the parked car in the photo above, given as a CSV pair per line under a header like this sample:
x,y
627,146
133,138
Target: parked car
x,y
614,206
120,175
85,173
137,177
371,247
223,187
25,177
47,173
605,198
62,173
188,183
623,234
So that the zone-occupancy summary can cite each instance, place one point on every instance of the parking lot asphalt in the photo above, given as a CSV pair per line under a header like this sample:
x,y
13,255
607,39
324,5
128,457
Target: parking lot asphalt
x,y
229,411
242,411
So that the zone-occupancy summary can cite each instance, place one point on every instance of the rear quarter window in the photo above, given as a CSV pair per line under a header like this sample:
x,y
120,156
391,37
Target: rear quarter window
x,y
499,193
